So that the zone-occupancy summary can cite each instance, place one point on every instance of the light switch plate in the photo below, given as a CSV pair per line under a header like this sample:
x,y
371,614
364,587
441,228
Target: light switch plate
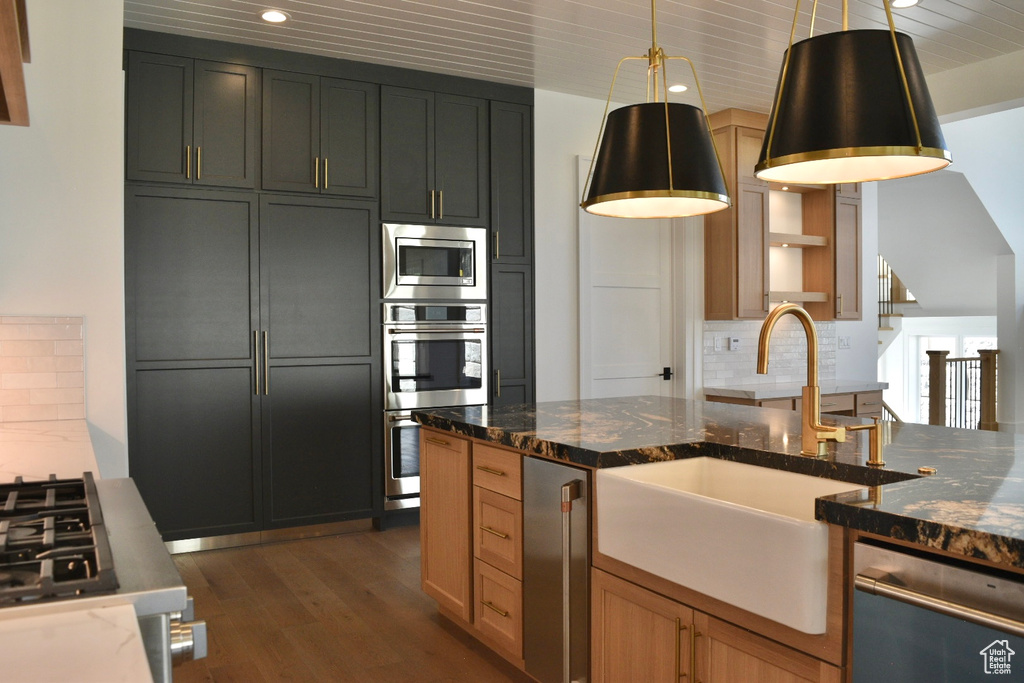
x,y
844,342
718,343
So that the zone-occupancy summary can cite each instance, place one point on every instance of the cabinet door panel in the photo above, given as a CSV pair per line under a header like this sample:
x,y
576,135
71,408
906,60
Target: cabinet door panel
x,y
291,131
512,341
193,450
407,154
159,126
349,122
319,264
752,251
512,182
637,635
225,124
188,269
848,259
461,162
320,433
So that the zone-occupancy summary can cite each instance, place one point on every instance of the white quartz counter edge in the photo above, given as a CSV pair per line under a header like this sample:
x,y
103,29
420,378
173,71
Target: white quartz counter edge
x,y
35,450
769,390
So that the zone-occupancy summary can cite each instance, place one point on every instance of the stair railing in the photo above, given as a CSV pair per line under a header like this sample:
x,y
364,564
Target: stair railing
x,y
962,391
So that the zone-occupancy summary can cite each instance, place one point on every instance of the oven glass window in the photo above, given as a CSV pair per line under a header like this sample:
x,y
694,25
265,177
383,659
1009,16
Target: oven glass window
x,y
436,365
405,451
435,259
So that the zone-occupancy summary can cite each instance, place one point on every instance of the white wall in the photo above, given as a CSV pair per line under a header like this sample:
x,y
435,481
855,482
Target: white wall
x,y
565,126
61,198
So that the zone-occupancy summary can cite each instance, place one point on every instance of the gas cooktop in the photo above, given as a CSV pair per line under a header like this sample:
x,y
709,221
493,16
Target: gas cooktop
x,y
53,543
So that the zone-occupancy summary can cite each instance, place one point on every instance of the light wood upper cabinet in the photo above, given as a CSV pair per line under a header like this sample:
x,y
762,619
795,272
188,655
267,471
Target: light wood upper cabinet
x,y
750,264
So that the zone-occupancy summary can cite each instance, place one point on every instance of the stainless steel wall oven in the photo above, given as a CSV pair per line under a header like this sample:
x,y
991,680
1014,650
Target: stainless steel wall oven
x,y
434,262
435,355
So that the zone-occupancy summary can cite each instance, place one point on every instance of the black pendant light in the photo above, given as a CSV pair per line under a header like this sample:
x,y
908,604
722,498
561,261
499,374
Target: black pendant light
x,y
656,159
851,106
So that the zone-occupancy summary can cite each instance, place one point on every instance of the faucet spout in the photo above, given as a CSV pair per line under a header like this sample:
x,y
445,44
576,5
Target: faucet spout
x,y
814,435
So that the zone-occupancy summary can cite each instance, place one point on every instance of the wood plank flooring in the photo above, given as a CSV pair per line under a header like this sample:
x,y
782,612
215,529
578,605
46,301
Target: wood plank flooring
x,y
339,608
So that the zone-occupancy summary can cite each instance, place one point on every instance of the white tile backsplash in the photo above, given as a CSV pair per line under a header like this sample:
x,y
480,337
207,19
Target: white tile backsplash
x,y
787,356
41,368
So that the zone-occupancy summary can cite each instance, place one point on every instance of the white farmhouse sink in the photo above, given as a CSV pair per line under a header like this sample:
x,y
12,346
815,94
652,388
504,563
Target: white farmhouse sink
x,y
740,533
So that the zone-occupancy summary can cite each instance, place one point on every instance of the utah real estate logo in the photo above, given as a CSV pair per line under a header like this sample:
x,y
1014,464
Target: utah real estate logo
x,y
997,657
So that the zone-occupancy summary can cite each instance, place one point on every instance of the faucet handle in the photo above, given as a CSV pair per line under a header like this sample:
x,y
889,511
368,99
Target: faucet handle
x,y
830,433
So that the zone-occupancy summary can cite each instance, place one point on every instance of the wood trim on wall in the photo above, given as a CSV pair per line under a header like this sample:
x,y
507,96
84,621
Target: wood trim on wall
x,y
14,50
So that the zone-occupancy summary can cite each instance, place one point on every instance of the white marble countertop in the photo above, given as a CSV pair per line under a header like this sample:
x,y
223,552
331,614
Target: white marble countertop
x,y
102,645
769,390
35,450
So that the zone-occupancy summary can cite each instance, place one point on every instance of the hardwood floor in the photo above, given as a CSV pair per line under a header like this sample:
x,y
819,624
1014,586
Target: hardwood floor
x,y
338,608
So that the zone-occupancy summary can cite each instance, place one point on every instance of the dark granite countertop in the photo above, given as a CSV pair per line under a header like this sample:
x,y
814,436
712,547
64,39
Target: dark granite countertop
x,y
973,505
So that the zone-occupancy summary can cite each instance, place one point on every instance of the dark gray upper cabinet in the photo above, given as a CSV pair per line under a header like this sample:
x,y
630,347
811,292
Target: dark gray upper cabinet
x,y
320,134
434,158
511,183
191,121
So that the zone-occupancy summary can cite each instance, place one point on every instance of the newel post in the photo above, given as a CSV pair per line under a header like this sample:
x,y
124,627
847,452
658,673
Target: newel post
x,y
937,387
988,390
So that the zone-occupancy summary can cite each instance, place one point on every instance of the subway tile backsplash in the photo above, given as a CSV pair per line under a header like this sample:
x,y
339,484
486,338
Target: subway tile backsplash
x,y
42,368
787,358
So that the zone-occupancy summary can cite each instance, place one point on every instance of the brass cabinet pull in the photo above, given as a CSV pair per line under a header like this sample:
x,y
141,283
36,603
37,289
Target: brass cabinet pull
x,y
679,648
766,302
840,305
497,382
316,173
432,204
870,403
256,357
488,605
492,531
827,405
325,173
497,245
188,162
199,163
439,442
266,363
440,204
694,635
488,470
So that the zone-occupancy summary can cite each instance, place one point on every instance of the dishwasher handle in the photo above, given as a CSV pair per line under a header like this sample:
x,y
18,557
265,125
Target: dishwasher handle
x,y
874,582
570,491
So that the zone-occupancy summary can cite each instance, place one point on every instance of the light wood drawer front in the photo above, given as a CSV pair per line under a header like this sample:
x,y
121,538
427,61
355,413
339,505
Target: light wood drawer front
x,y
780,403
444,440
834,403
869,403
499,608
497,536
498,470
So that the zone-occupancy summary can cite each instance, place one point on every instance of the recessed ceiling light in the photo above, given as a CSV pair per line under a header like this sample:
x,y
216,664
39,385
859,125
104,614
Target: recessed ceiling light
x,y
785,188
903,4
677,88
275,16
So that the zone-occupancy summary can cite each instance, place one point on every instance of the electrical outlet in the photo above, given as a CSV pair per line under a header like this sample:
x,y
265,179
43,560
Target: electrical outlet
x,y
844,342
734,343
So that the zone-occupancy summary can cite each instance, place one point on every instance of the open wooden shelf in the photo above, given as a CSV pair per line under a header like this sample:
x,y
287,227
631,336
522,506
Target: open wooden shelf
x,y
796,241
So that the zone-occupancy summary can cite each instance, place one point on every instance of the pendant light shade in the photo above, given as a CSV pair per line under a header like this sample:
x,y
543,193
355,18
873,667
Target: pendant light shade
x,y
849,108
631,177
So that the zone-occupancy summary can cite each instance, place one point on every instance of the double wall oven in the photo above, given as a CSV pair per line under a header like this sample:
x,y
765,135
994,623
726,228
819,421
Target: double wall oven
x,y
435,338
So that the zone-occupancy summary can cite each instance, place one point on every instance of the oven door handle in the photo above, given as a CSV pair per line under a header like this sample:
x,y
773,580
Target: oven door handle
x,y
876,585
433,330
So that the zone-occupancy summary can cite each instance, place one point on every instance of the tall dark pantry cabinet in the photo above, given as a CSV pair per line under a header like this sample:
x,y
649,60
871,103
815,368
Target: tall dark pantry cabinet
x,y
254,185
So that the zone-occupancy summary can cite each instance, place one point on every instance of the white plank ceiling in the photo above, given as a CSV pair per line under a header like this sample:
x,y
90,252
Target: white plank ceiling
x,y
572,46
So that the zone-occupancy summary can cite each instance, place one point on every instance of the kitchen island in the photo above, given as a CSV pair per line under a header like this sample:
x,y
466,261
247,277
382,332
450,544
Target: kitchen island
x,y
971,508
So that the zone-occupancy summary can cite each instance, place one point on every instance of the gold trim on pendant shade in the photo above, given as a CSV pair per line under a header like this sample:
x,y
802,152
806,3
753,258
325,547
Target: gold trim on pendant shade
x,y
821,165
697,203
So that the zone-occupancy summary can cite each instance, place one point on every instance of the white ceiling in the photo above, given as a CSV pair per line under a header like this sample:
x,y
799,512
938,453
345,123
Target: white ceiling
x,y
572,46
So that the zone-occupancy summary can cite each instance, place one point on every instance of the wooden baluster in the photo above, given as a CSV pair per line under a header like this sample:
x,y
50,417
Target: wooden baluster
x,y
937,387
988,390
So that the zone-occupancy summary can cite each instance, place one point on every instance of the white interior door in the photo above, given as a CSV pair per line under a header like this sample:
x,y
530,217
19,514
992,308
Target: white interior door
x,y
625,304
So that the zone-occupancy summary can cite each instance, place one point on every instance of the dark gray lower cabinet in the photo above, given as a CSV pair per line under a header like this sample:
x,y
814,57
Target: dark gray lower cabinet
x,y
253,340
512,337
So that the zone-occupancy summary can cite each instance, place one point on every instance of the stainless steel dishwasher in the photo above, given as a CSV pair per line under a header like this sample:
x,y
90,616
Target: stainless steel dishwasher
x,y
556,563
917,618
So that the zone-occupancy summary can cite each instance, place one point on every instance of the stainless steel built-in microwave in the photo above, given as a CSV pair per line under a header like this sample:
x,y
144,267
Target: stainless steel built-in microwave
x,y
434,262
